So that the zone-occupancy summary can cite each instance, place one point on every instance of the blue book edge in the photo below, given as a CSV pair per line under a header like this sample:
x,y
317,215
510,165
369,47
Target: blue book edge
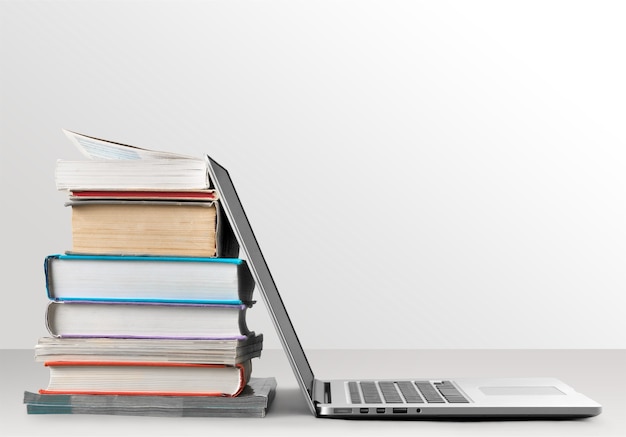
x,y
163,301
68,256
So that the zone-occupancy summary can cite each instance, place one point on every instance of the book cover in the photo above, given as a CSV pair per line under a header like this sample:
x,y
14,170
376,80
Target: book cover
x,y
72,277
100,149
191,195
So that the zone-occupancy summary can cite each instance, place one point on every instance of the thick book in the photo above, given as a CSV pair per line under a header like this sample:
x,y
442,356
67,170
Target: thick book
x,y
146,378
254,401
148,279
151,227
146,320
145,174
116,166
220,351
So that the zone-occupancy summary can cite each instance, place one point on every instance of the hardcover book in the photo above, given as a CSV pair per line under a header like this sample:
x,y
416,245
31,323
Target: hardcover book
x,y
148,279
146,378
146,320
151,227
206,195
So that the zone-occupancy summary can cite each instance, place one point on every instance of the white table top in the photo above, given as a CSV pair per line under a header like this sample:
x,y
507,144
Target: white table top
x,y
599,374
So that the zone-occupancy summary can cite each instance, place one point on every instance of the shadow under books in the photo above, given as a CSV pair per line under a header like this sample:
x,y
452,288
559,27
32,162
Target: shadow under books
x,y
288,402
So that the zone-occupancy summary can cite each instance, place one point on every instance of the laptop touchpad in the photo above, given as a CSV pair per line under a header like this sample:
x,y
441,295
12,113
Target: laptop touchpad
x,y
521,391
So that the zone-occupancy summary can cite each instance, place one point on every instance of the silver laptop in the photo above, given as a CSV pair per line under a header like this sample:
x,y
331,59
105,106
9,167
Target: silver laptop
x,y
414,398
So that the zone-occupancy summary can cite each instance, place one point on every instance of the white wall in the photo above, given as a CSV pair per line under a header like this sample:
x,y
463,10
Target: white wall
x,y
419,174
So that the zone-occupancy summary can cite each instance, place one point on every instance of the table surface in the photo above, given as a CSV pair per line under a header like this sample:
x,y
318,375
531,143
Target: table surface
x,y
599,374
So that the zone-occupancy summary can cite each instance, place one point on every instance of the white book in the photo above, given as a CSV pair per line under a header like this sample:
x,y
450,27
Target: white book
x,y
115,166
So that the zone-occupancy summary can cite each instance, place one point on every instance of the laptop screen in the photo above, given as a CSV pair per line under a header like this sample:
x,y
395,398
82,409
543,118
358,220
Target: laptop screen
x,y
262,276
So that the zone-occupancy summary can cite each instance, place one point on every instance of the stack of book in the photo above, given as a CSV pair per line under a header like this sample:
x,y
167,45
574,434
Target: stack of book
x,y
147,311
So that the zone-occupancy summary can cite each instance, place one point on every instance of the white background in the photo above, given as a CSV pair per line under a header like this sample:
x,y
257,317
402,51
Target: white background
x,y
419,174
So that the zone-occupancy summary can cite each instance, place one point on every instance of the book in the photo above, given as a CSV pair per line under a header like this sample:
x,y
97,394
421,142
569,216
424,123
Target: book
x,y
147,309
148,278
206,195
160,228
146,378
146,320
143,174
127,200
116,166
253,401
220,351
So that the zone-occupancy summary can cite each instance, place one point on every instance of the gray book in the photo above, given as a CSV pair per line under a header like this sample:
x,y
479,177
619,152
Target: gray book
x,y
219,351
253,401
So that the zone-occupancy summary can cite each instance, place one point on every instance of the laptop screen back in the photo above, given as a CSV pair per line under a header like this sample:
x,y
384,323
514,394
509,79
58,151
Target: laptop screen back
x,y
260,271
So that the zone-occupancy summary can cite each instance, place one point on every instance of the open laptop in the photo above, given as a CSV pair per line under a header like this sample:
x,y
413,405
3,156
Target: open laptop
x,y
416,398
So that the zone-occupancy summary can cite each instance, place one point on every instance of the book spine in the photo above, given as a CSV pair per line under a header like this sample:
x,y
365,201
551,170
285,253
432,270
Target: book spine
x,y
246,282
47,267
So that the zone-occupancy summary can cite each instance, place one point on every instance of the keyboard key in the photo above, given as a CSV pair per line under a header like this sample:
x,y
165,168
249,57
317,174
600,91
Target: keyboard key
x,y
429,392
450,392
391,395
370,393
355,396
409,392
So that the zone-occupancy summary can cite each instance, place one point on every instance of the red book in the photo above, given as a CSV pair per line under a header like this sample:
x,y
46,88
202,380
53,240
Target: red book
x,y
143,195
146,378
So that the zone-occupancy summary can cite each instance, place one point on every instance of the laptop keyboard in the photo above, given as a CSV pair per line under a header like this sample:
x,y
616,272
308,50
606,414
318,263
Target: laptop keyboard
x,y
400,392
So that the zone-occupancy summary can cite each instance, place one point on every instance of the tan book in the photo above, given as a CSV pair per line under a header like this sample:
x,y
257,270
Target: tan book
x,y
159,228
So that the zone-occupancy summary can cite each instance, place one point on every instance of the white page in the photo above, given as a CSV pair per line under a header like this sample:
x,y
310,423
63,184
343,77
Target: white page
x,y
95,148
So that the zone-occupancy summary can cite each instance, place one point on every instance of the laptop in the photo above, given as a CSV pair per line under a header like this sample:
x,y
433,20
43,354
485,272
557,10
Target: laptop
x,y
389,398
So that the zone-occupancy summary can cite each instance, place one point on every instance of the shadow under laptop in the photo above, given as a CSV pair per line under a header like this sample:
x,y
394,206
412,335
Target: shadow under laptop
x,y
471,419
289,402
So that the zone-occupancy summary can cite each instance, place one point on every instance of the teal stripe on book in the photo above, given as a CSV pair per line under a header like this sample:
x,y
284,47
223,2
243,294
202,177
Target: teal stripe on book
x,y
165,301
149,258
48,409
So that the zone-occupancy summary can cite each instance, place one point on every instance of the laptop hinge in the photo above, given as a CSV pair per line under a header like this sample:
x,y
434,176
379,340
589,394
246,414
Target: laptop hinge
x,y
321,392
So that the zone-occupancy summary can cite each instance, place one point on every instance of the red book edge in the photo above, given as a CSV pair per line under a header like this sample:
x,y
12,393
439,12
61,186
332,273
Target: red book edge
x,y
132,194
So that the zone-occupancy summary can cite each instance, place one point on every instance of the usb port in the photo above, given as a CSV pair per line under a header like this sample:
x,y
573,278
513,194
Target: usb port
x,y
400,410
380,410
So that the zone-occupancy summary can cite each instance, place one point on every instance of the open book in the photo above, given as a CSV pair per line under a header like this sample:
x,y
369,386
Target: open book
x,y
116,166
96,148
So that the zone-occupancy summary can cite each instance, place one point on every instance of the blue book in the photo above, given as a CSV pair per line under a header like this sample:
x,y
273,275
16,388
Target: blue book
x,y
157,279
